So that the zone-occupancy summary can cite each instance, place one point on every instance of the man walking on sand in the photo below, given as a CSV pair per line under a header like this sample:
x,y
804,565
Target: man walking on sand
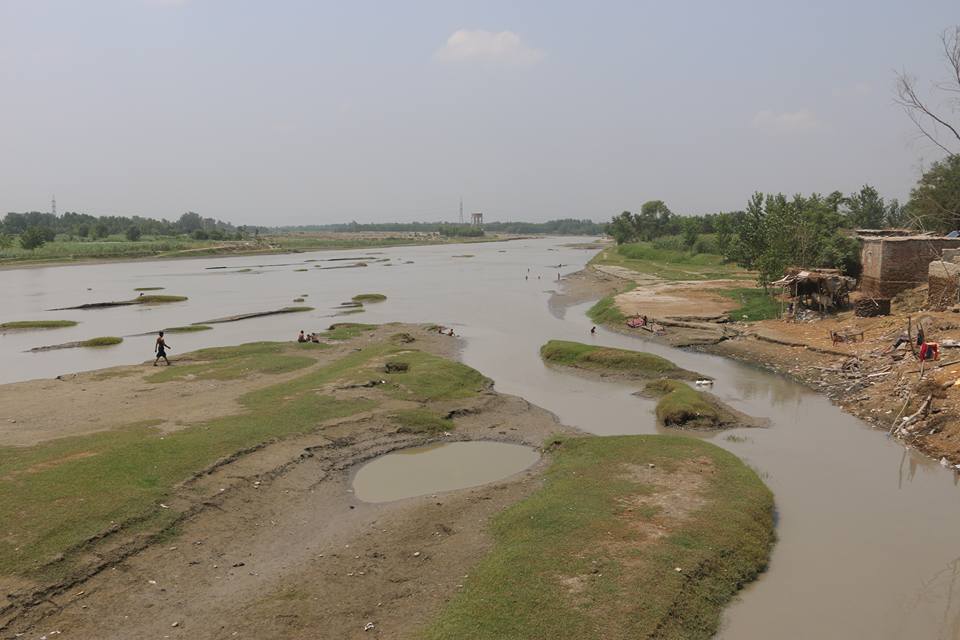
x,y
161,350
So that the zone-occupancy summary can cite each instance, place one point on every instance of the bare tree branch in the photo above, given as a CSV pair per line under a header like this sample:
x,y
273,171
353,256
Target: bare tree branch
x,y
921,113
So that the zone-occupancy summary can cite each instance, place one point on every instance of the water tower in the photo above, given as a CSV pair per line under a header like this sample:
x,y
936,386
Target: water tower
x,y
476,219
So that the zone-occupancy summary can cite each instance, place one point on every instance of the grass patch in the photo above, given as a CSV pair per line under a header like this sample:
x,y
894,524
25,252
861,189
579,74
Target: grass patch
x,y
755,304
369,297
231,363
347,330
104,341
683,407
148,288
37,324
299,270
427,378
53,495
669,264
574,561
606,359
298,299
605,311
421,421
190,328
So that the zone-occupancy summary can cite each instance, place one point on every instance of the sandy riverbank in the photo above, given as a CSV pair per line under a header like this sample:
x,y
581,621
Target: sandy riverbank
x,y
861,377
213,498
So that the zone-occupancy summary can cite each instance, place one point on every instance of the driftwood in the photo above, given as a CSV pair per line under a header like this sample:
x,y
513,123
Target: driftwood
x,y
915,418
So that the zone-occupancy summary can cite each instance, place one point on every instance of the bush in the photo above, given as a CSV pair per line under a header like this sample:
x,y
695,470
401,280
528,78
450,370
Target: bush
x,y
200,234
33,238
133,234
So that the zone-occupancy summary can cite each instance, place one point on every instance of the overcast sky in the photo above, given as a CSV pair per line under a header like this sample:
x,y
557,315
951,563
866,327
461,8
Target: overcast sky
x,y
299,112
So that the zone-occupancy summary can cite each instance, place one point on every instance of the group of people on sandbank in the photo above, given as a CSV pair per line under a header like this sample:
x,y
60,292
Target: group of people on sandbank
x,y
311,337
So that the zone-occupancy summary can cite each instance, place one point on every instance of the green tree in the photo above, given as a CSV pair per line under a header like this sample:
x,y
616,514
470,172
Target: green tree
x,y
100,231
866,209
896,215
622,228
691,230
935,200
83,230
723,227
6,240
133,233
33,238
200,234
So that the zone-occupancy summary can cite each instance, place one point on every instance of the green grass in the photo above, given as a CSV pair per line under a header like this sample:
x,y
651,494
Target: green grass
x,y
429,378
421,421
149,288
158,299
298,299
606,359
347,330
755,304
669,264
683,407
190,328
119,248
104,341
37,324
53,495
231,363
605,311
580,526
369,297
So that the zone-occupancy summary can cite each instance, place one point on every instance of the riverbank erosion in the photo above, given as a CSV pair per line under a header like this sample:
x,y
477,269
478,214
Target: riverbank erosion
x,y
848,358
215,496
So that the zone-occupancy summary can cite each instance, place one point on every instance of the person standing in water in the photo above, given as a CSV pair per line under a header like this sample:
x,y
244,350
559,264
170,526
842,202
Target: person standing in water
x,y
160,348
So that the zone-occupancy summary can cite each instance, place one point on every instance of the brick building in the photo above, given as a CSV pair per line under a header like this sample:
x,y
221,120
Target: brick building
x,y
892,264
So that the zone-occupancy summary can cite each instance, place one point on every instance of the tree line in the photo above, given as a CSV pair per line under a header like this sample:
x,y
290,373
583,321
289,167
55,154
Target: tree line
x,y
773,231
36,228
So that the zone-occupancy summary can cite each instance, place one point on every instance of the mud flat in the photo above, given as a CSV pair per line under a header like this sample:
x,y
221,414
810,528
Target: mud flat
x,y
216,494
150,299
255,314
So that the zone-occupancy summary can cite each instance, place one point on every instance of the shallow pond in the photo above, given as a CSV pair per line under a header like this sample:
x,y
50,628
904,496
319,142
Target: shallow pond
x,y
868,531
439,467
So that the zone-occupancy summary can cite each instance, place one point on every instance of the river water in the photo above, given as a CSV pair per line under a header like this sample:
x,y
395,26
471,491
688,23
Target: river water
x,y
869,533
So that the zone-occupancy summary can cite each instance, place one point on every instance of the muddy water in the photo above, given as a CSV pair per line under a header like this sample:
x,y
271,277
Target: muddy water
x,y
440,467
869,534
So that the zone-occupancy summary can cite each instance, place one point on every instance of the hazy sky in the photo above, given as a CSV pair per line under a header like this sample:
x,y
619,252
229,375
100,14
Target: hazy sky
x,y
298,112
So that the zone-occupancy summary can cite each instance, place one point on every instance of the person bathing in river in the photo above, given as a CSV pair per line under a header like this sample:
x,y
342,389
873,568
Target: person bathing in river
x,y
160,348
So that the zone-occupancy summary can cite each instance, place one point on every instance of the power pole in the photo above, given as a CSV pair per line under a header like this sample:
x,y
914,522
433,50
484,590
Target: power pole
x,y
53,205
461,210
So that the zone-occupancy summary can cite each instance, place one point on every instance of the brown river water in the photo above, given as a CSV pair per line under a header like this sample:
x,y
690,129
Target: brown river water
x,y
869,533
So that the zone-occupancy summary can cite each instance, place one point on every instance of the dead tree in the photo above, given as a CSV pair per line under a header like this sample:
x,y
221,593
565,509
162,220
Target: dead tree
x,y
930,118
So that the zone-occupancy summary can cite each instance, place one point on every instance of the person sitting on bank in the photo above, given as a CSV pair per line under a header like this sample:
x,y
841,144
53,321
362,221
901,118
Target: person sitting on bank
x,y
302,337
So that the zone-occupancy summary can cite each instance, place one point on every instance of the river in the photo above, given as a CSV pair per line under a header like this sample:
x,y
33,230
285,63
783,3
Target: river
x,y
867,545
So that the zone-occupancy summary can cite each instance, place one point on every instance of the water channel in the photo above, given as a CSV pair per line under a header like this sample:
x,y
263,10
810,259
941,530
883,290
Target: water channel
x,y
868,531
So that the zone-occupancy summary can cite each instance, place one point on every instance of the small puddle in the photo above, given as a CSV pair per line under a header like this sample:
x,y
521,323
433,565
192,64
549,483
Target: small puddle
x,y
439,467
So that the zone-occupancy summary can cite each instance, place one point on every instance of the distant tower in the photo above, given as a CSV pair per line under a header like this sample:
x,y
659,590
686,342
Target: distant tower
x,y
477,219
461,209
53,205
